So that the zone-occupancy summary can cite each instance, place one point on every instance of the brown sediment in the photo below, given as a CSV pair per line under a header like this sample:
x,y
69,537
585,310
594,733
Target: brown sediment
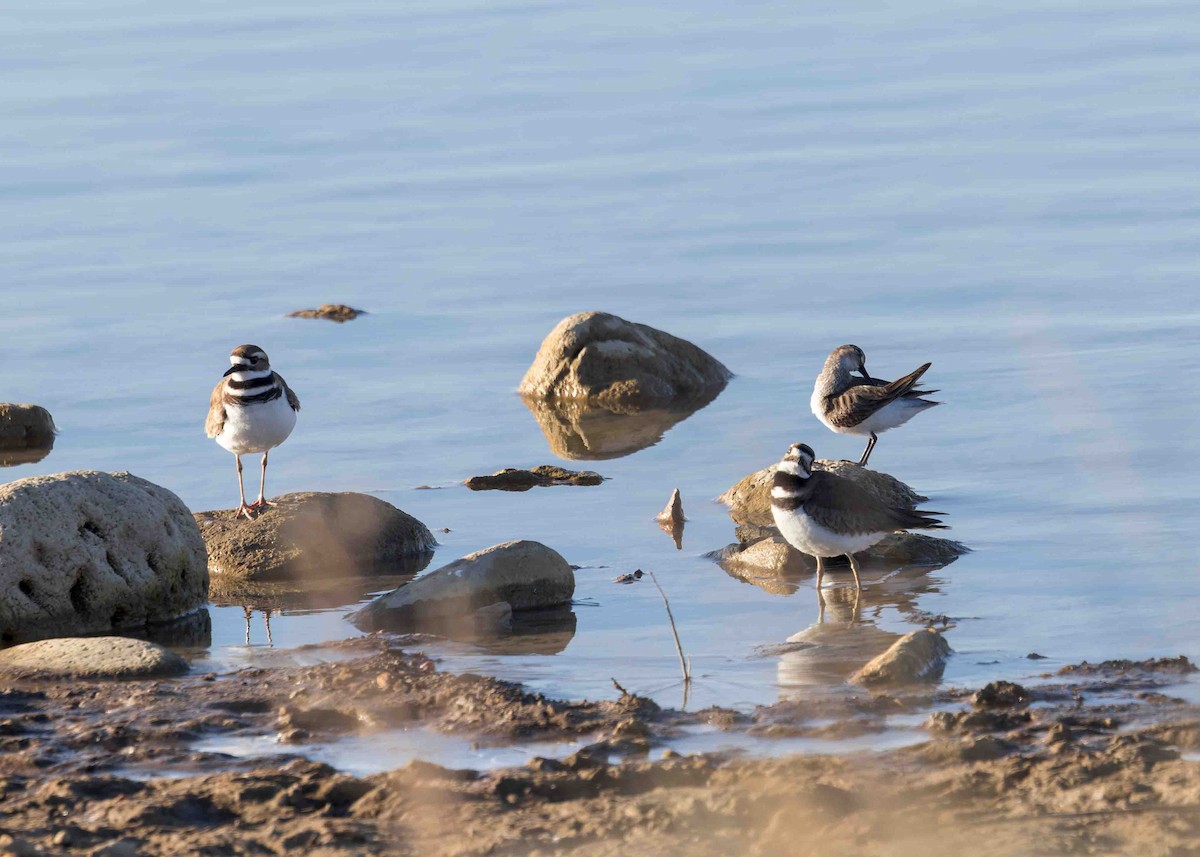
x,y
1080,772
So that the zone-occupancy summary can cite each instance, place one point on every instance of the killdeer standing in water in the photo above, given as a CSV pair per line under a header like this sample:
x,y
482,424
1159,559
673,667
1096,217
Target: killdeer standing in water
x,y
825,515
252,410
865,406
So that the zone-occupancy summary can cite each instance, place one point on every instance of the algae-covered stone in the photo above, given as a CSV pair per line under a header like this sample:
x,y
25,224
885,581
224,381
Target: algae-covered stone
x,y
91,657
514,479
87,552
918,656
314,535
525,574
601,358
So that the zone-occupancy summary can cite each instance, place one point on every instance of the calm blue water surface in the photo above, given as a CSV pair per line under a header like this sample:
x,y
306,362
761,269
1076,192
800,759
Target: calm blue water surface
x,y
1011,192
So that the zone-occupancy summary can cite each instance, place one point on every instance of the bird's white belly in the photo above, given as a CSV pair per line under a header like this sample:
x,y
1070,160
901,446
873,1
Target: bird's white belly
x,y
895,413
809,537
257,427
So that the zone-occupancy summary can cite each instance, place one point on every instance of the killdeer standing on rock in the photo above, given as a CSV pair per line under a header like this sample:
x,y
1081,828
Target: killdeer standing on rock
x,y
824,515
252,410
865,406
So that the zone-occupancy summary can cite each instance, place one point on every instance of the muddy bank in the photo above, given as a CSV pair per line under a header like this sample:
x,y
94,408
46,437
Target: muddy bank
x,y
1085,765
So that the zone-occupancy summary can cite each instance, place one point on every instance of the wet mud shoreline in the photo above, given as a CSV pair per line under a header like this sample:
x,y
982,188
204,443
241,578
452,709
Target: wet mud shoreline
x,y
1093,760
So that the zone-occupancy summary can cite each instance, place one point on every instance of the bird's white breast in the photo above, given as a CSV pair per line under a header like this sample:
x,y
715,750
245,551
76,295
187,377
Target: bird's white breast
x,y
807,536
257,427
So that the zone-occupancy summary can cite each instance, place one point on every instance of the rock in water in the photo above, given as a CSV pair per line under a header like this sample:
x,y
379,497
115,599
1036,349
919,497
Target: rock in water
x,y
749,500
86,552
26,434
672,513
330,312
919,656
527,575
314,535
91,657
512,479
603,359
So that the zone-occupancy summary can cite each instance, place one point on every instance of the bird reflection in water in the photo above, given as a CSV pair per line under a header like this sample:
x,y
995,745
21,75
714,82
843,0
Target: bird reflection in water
x,y
247,613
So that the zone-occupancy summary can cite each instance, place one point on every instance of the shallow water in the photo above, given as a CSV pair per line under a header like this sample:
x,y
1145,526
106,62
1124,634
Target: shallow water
x,y
1008,192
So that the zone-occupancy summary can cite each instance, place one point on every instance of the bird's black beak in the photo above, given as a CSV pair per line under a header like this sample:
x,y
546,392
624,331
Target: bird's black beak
x,y
862,368
237,367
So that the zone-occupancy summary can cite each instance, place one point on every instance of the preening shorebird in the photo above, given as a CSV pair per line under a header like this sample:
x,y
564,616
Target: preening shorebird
x,y
865,406
252,410
824,515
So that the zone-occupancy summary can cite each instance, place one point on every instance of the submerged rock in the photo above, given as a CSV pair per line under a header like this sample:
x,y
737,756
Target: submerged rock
x,y
578,430
87,552
601,358
512,479
26,434
91,657
749,500
315,535
527,575
918,656
330,312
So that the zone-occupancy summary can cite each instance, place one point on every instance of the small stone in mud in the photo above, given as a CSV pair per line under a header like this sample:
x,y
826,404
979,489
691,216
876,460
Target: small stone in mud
x,y
1000,694
330,312
513,479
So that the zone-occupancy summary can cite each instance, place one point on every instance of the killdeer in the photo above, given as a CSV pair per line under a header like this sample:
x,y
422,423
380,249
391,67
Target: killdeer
x,y
865,406
252,410
824,515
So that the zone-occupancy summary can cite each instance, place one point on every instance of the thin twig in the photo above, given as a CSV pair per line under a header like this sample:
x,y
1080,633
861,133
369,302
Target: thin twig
x,y
617,685
684,664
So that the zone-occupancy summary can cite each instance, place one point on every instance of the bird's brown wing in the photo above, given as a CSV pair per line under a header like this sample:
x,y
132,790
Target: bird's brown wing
x,y
216,411
292,398
860,401
839,505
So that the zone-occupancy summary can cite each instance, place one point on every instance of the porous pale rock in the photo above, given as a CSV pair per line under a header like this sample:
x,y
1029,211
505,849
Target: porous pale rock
x,y
525,574
26,434
314,535
91,657
87,552
601,358
918,656
749,500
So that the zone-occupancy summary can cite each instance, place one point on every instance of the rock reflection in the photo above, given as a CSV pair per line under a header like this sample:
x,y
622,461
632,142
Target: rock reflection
x,y
532,632
846,634
589,432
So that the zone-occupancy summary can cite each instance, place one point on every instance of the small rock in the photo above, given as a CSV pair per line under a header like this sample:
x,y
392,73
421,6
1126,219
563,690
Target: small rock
x,y
512,479
672,514
629,578
525,574
1179,665
26,434
91,657
317,536
90,552
917,656
17,847
601,358
1034,656
1000,694
330,312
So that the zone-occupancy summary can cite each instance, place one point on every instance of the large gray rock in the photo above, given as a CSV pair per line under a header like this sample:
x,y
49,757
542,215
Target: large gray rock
x,y
918,656
315,536
603,359
26,434
749,500
87,552
91,657
527,575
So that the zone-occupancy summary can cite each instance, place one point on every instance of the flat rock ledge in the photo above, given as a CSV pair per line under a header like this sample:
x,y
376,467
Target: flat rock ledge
x,y
314,535
88,552
26,434
749,500
525,575
513,479
330,312
604,359
91,657
915,657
